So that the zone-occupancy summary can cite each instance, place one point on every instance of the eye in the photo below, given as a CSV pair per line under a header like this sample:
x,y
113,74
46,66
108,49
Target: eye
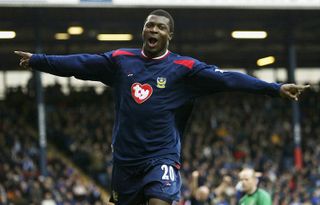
x,y
162,27
149,25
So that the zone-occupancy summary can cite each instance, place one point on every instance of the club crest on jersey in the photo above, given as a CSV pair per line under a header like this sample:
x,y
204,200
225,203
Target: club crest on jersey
x,y
161,82
141,93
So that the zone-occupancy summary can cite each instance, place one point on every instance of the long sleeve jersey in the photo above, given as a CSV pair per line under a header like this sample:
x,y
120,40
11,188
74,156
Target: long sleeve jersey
x,y
153,97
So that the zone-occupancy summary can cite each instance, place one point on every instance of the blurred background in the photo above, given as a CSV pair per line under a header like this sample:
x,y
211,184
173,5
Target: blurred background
x,y
55,133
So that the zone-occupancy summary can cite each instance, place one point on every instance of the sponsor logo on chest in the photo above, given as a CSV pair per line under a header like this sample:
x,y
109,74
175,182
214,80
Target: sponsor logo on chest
x,y
141,93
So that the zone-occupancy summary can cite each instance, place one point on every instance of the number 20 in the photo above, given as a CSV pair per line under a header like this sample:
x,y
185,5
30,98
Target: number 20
x,y
168,172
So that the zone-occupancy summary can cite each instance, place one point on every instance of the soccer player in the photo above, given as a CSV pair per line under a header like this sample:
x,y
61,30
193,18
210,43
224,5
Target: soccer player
x,y
154,90
253,194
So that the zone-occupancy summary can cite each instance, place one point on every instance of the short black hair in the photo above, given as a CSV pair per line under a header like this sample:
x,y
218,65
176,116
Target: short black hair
x,y
161,12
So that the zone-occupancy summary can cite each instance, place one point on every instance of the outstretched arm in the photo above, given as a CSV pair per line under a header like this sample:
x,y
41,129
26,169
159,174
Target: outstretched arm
x,y
210,79
97,67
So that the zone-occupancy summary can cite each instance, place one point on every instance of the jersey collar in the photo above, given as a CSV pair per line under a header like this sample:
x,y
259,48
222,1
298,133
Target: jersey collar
x,y
156,58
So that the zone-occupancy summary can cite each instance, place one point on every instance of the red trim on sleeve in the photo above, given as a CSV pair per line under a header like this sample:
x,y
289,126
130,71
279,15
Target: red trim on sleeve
x,y
187,63
178,166
120,52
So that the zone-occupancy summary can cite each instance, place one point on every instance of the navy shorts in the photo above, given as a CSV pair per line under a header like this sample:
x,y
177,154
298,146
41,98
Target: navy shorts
x,y
135,185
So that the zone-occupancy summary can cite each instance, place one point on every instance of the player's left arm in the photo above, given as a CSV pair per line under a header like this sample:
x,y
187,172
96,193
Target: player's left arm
x,y
292,91
211,79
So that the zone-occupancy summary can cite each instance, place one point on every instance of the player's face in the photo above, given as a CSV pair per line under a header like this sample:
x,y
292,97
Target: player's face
x,y
156,35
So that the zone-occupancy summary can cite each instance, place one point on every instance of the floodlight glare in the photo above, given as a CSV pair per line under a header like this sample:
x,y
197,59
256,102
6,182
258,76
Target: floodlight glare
x,y
75,30
61,36
7,34
249,34
114,37
265,61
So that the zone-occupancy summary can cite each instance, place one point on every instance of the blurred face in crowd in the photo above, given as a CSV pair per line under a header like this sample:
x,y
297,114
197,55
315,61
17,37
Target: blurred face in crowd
x,y
156,35
248,180
202,193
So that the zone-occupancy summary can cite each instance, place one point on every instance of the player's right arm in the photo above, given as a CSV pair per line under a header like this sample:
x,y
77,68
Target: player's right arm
x,y
97,67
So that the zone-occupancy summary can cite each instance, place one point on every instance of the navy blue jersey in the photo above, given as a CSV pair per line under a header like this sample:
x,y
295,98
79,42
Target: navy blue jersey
x,y
150,95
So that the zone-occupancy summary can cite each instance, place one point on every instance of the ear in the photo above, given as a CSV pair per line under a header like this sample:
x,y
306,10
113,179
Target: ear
x,y
170,36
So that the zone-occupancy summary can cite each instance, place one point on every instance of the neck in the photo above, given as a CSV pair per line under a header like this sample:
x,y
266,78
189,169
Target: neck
x,y
254,189
155,56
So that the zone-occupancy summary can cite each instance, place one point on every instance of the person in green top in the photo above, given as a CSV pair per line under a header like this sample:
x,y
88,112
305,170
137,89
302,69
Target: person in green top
x,y
253,194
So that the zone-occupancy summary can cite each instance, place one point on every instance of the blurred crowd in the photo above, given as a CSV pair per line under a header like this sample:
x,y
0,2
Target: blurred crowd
x,y
243,130
227,131
21,181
